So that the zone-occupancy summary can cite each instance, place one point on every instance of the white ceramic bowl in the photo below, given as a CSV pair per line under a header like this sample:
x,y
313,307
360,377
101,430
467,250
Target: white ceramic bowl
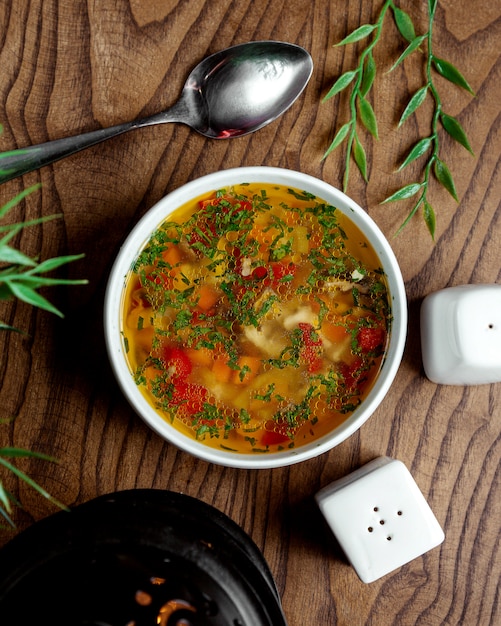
x,y
140,236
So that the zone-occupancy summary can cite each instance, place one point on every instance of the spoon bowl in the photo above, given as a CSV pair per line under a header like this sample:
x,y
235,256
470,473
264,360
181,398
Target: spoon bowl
x,y
231,93
244,88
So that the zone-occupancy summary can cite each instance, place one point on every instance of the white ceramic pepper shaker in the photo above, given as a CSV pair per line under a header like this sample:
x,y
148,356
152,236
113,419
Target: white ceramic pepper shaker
x,y
461,335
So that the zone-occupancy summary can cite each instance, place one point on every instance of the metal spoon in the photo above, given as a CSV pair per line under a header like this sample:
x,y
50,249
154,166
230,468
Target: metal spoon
x,y
230,93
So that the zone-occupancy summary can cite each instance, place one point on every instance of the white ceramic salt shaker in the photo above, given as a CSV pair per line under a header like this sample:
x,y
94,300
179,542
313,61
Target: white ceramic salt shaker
x,y
379,517
461,335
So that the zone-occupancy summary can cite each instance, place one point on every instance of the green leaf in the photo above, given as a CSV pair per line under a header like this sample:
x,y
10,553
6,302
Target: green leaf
x,y
404,24
432,5
30,482
5,293
368,76
359,33
417,151
6,507
455,130
414,103
414,45
429,218
13,229
368,116
451,73
4,326
15,257
411,214
9,520
4,498
17,199
341,83
30,296
339,138
404,192
34,281
444,177
21,452
52,264
360,158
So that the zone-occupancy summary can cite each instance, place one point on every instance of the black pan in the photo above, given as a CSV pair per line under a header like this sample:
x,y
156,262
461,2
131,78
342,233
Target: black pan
x,y
137,558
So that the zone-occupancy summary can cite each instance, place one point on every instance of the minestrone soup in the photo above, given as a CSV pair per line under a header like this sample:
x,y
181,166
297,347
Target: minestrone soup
x,y
256,318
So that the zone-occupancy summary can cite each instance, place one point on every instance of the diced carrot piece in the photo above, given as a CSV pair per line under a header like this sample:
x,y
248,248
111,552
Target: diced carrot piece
x,y
207,297
291,218
150,373
200,356
221,370
334,332
172,255
249,367
263,234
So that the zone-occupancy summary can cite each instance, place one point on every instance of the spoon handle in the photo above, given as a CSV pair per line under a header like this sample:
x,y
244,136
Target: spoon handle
x,y
18,162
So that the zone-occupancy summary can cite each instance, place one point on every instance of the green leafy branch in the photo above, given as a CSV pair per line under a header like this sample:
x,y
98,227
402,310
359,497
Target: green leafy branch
x,y
21,277
362,79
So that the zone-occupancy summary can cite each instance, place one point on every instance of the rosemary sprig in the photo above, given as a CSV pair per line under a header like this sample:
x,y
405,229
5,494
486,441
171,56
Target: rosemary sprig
x,y
363,79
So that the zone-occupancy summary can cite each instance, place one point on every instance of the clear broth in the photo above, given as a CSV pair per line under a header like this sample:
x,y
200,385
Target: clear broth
x,y
256,318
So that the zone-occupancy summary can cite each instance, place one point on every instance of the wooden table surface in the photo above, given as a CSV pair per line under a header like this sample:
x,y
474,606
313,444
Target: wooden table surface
x,y
69,67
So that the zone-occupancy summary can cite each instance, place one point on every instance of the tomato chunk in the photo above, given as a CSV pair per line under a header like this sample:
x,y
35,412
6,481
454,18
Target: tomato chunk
x,y
177,361
271,438
189,396
352,374
369,339
280,271
312,348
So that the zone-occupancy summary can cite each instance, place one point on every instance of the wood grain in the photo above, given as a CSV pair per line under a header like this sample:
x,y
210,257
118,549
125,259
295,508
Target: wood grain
x,y
68,67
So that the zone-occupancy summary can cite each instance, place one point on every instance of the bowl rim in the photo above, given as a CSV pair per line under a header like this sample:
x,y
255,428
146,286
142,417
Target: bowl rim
x,y
138,237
